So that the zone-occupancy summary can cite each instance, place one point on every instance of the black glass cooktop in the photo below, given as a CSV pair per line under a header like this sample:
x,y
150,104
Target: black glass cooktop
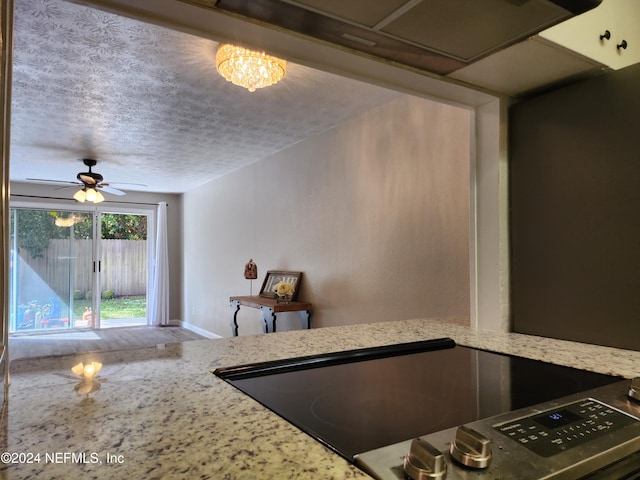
x,y
360,400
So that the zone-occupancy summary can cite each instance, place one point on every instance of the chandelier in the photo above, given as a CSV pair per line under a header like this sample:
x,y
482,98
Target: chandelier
x,y
248,68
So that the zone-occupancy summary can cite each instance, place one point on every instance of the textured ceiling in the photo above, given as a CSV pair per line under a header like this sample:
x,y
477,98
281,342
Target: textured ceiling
x,y
148,104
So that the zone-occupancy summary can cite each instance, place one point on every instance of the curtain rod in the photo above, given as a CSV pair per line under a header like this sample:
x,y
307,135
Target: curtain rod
x,y
69,200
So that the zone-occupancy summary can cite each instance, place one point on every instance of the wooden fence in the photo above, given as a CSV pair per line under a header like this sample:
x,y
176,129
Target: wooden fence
x,y
65,267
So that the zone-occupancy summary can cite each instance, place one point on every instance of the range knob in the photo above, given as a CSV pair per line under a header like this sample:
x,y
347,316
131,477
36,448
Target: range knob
x,y
424,461
634,389
471,448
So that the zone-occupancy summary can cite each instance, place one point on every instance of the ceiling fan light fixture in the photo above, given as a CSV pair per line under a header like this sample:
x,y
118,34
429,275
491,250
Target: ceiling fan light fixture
x,y
94,196
248,68
80,195
88,194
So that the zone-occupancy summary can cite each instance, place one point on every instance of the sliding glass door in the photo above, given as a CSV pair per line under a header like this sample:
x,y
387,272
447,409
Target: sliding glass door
x,y
77,270
123,254
51,279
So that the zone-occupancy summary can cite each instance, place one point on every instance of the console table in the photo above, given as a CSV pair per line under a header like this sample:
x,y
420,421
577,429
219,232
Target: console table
x,y
268,307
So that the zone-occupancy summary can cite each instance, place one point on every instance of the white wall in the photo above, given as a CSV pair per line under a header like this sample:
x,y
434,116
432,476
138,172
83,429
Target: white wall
x,y
375,213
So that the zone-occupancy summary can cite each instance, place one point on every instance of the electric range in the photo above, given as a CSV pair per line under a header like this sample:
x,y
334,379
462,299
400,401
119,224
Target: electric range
x,y
434,409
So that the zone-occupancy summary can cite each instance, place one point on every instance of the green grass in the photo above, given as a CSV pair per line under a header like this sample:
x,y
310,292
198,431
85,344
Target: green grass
x,y
120,307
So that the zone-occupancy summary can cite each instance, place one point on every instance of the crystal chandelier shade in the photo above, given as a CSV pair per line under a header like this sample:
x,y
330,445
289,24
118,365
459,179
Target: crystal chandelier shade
x,y
248,68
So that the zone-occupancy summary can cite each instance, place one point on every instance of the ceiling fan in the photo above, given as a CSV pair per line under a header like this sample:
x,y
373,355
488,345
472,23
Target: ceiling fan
x,y
91,182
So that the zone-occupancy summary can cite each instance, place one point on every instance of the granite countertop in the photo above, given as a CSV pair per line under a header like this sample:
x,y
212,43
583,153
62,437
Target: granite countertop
x,y
161,413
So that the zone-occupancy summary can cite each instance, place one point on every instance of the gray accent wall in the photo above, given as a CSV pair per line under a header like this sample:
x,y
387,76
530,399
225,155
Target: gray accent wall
x,y
374,212
575,212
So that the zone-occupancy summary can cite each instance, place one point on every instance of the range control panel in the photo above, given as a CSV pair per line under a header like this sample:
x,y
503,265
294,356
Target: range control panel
x,y
603,424
569,426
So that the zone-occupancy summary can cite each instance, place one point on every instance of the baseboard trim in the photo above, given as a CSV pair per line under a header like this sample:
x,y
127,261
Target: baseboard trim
x,y
193,328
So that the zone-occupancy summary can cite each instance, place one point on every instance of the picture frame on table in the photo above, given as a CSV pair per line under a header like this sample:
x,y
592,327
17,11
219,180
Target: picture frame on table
x,y
275,276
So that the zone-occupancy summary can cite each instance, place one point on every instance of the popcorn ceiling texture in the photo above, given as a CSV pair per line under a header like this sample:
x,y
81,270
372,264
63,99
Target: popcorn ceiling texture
x,y
148,103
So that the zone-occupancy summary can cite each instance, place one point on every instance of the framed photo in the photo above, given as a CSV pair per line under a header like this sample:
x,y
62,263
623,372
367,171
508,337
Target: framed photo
x,y
275,276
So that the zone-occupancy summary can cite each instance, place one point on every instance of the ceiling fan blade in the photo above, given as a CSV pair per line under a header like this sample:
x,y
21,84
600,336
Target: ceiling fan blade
x,y
143,185
46,180
111,190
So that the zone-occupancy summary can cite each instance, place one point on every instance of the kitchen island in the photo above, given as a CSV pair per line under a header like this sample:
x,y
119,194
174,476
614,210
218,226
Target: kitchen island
x,y
161,413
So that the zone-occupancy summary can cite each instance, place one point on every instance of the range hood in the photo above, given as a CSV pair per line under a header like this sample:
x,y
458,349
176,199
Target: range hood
x,y
436,36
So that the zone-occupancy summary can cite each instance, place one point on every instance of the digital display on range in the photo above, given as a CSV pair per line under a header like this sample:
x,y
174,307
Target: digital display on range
x,y
557,418
567,427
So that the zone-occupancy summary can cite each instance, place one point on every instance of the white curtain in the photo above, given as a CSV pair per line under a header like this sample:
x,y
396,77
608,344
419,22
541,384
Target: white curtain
x,y
159,294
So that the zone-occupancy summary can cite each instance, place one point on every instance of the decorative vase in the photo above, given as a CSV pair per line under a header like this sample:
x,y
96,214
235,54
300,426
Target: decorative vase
x,y
283,298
